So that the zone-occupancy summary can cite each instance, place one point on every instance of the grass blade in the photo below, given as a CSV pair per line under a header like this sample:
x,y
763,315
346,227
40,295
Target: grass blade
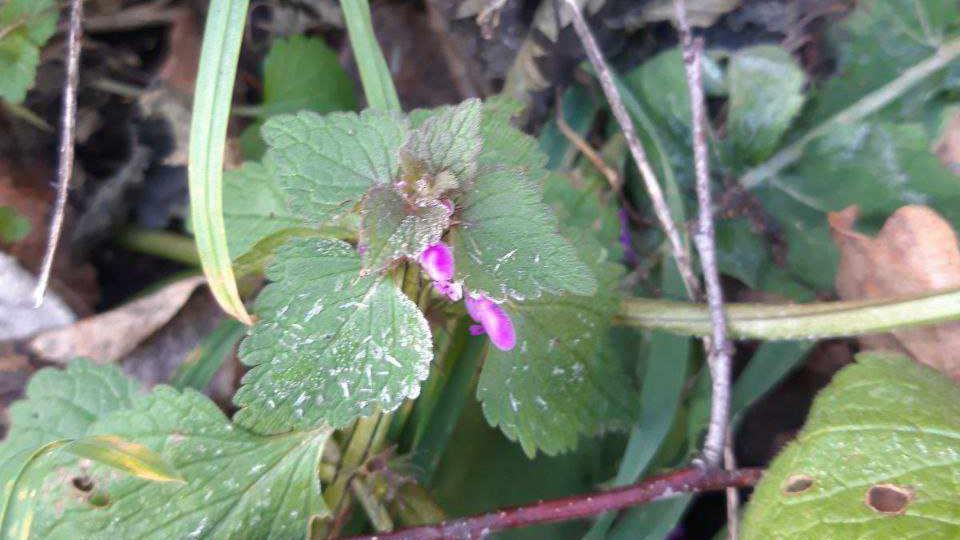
x,y
198,369
374,73
208,133
130,457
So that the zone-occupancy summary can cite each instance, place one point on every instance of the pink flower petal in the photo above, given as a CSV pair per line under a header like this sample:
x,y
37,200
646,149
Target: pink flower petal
x,y
451,289
437,262
495,321
476,330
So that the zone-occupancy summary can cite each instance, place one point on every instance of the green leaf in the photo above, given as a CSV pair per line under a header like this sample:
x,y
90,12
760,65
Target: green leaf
x,y
508,244
581,202
330,345
392,228
254,207
130,457
559,382
878,166
59,405
448,141
25,25
876,44
301,73
506,146
740,252
877,459
239,485
198,369
13,226
326,163
766,93
208,135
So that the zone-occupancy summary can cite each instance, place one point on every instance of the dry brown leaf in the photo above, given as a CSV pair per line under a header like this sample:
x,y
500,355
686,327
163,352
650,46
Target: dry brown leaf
x,y
916,252
110,336
26,188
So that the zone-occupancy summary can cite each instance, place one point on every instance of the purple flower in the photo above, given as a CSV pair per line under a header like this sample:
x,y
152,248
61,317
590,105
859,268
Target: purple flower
x,y
495,322
437,262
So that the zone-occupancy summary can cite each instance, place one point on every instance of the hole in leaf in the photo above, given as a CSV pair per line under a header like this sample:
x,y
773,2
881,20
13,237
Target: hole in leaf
x,y
796,484
889,499
83,483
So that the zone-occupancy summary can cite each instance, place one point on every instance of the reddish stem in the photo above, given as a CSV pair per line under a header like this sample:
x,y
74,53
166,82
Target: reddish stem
x,y
690,480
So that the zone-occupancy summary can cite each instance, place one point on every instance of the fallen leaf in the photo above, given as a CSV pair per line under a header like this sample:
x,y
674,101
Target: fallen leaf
x,y
18,317
25,188
915,252
110,336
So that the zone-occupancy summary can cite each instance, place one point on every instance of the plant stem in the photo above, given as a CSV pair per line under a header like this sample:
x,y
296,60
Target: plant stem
x,y
692,480
68,125
795,321
867,105
660,207
717,345
168,245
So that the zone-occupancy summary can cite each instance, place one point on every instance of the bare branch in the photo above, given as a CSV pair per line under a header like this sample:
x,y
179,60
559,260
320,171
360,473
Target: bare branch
x,y
650,181
68,124
692,480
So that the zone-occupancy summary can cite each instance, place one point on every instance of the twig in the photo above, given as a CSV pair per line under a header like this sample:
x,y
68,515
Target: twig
x,y
718,346
692,480
653,188
616,184
68,124
733,496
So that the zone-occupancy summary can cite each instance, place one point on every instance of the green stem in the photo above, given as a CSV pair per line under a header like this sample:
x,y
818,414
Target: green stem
x,y
869,104
163,244
796,321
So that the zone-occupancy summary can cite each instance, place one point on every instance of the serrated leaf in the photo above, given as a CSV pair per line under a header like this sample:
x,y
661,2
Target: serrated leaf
x,y
331,345
559,383
239,485
449,140
302,72
59,405
392,228
26,26
506,146
508,245
254,207
877,459
326,163
766,93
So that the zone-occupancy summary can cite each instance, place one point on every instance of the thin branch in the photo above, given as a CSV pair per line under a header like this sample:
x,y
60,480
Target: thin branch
x,y
718,346
650,181
692,480
68,124
584,147
733,496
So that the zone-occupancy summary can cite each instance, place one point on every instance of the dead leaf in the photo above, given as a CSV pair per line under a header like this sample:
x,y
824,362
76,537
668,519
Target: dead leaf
x,y
18,317
179,70
948,145
701,14
110,336
916,252
26,188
